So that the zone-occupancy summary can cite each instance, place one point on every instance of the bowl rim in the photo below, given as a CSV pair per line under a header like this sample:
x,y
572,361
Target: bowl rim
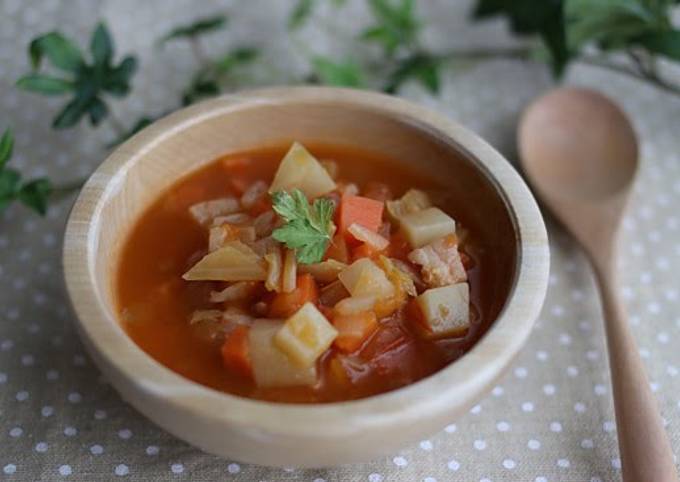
x,y
453,387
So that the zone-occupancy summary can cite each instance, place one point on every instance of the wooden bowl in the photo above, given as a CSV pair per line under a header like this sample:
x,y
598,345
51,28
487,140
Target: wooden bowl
x,y
287,434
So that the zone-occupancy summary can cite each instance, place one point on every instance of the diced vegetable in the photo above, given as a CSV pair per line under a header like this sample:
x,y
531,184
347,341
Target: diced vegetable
x,y
220,235
233,262
305,336
274,269
423,227
205,212
355,304
300,170
441,262
401,280
364,277
237,291
325,272
236,218
253,194
361,210
354,329
333,293
236,352
286,304
331,167
272,367
200,316
413,201
264,245
364,251
446,310
337,249
371,238
234,315
264,224
378,191
289,274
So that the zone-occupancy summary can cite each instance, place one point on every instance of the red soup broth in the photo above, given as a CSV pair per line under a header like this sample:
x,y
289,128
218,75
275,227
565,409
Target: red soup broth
x,y
154,303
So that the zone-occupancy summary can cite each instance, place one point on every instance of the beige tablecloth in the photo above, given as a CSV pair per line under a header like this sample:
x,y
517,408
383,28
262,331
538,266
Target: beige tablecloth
x,y
550,418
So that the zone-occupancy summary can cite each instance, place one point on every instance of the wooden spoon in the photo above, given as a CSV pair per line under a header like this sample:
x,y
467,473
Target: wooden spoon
x,y
580,153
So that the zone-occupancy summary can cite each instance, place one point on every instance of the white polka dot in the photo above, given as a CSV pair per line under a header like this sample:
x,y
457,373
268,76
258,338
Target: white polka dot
x,y
41,447
426,445
534,444
429,479
70,431
74,397
555,427
152,450
121,470
125,433
564,339
497,391
9,469
599,389
479,444
3,378
541,355
663,337
672,371
6,345
400,461
319,480
16,432
453,465
563,463
96,449
450,428
99,414
616,463
579,407
654,386
527,407
52,375
375,478
47,411
65,470
509,464
587,443
476,409
521,372
549,389
608,426
592,355
502,426
22,396
177,468
572,371
595,479
27,360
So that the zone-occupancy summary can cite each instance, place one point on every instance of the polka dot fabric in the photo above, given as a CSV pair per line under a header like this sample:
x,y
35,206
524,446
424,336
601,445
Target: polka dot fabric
x,y
549,419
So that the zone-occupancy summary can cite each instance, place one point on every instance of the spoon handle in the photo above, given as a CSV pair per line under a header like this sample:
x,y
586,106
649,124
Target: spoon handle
x,y
644,447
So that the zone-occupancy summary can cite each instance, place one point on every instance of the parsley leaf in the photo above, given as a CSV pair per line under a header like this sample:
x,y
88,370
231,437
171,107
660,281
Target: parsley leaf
x,y
308,228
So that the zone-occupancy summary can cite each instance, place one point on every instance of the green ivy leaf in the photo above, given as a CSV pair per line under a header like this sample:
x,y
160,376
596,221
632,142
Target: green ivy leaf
x,y
101,45
10,181
71,113
199,27
663,43
344,74
396,24
117,82
61,52
199,90
420,67
235,58
35,194
300,14
544,18
44,84
97,110
6,147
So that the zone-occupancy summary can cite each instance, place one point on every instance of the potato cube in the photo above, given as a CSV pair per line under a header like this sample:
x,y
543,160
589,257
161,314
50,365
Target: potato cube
x,y
271,366
364,277
305,336
300,170
413,201
446,310
423,227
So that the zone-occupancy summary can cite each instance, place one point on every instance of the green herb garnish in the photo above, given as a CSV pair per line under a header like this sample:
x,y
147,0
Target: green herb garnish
x,y
308,228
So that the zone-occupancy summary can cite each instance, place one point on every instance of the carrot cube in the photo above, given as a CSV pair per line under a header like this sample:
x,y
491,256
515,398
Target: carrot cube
x,y
361,210
354,329
236,352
